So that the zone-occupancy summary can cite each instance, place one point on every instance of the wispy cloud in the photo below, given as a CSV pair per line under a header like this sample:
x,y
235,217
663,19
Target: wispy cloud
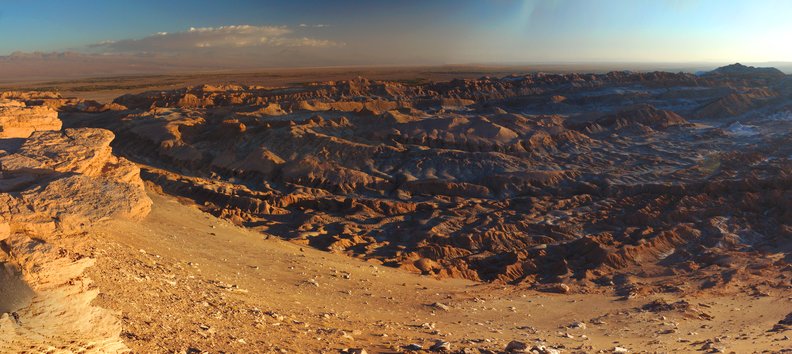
x,y
100,44
213,37
303,42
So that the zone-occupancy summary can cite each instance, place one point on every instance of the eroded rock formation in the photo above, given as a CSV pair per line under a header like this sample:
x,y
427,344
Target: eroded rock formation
x,y
56,184
19,121
540,179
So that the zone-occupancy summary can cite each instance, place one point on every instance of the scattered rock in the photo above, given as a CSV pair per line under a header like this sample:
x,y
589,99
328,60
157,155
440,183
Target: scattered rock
x,y
441,306
441,346
579,325
354,351
713,348
541,349
413,347
561,288
516,346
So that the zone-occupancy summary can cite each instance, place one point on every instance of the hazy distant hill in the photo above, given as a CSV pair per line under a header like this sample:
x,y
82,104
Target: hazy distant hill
x,y
21,66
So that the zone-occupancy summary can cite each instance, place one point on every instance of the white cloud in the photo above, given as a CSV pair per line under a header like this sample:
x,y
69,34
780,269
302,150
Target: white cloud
x,y
100,44
213,37
303,25
302,42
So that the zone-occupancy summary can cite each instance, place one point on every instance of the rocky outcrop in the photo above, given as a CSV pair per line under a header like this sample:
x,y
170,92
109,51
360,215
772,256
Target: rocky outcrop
x,y
643,114
543,179
380,96
46,302
58,184
19,121
54,101
733,105
741,71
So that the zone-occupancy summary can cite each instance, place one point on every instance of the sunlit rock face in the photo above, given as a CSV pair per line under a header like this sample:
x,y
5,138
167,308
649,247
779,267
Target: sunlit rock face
x,y
19,121
56,184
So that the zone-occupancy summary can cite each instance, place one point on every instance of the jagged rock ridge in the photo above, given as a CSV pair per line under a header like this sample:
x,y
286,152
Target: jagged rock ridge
x,y
536,179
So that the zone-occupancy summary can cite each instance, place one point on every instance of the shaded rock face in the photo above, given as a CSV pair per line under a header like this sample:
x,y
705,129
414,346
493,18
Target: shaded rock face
x,y
642,114
57,184
538,179
739,70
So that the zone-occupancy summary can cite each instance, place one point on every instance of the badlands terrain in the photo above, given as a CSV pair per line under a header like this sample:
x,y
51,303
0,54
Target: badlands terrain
x,y
541,213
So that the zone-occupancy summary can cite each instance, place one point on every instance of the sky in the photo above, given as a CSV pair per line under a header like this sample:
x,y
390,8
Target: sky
x,y
411,32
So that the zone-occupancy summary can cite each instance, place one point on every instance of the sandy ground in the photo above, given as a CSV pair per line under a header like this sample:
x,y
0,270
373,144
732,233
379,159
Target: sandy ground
x,y
186,282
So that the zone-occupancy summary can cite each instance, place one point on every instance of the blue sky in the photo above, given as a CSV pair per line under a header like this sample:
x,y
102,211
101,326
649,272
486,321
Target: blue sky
x,y
432,31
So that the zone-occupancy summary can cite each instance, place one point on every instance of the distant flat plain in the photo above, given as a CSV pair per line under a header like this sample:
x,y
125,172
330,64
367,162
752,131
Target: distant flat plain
x,y
104,88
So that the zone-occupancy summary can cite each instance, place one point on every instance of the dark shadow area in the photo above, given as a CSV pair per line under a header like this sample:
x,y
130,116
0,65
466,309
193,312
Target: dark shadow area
x,y
14,293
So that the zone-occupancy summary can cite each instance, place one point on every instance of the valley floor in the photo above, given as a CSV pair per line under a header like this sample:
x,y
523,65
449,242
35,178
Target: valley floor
x,y
183,281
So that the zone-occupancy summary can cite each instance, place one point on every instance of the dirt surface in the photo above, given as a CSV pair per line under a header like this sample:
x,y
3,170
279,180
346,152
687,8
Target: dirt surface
x,y
185,281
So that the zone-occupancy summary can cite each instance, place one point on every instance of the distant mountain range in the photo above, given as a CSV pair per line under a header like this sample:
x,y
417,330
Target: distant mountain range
x,y
40,55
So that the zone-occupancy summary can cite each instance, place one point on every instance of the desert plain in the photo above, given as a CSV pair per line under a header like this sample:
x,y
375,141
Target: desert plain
x,y
457,209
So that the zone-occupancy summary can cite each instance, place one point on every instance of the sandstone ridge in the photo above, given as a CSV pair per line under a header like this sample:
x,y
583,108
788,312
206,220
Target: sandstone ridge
x,y
54,185
19,121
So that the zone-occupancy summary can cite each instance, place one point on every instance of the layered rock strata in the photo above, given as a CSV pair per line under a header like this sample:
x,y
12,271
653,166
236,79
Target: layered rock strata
x,y
56,185
19,121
